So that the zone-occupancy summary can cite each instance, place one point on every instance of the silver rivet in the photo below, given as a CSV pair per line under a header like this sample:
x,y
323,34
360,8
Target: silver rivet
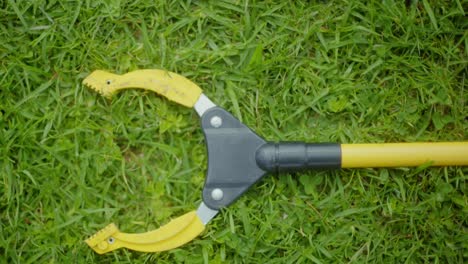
x,y
216,121
217,194
111,240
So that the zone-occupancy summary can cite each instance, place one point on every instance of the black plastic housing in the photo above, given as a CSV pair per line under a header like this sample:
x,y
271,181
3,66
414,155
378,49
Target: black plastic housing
x,y
232,167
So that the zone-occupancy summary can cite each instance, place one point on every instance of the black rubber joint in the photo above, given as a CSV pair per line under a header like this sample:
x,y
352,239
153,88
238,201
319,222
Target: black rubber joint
x,y
294,156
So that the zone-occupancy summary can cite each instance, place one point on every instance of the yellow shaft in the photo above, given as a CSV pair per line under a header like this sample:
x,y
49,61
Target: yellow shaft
x,y
404,154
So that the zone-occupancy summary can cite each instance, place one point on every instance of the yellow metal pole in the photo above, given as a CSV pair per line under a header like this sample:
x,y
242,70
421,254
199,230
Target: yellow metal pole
x,y
404,154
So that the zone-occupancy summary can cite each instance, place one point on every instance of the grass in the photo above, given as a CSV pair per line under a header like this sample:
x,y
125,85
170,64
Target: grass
x,y
319,71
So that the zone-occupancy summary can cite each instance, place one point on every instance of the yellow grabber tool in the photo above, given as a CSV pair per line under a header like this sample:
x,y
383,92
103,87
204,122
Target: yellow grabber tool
x,y
238,158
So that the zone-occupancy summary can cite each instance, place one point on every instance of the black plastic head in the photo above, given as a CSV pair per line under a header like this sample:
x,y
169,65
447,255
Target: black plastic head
x,y
232,166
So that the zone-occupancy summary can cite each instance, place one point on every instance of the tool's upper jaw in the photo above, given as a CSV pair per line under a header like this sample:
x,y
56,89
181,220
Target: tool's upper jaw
x,y
171,85
168,84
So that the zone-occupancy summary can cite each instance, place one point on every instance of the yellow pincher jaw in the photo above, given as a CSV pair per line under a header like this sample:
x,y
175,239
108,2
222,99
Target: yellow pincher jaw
x,y
171,85
172,235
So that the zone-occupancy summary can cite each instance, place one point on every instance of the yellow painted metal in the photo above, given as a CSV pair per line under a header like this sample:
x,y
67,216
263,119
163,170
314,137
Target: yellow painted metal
x,y
404,154
172,235
173,86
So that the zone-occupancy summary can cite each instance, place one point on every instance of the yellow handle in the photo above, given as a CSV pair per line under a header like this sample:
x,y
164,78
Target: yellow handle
x,y
173,86
404,154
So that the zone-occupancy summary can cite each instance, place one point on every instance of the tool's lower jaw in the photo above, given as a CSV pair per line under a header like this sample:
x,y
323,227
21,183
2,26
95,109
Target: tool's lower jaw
x,y
172,235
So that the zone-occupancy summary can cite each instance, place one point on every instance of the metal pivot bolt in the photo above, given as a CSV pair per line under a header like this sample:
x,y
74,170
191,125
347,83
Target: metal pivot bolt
x,y
216,121
217,194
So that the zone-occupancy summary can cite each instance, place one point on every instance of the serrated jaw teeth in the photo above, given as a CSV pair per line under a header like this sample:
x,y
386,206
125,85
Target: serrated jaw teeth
x,y
102,235
91,86
102,82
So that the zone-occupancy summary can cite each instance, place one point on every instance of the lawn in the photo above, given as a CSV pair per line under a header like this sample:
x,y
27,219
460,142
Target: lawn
x,y
344,71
